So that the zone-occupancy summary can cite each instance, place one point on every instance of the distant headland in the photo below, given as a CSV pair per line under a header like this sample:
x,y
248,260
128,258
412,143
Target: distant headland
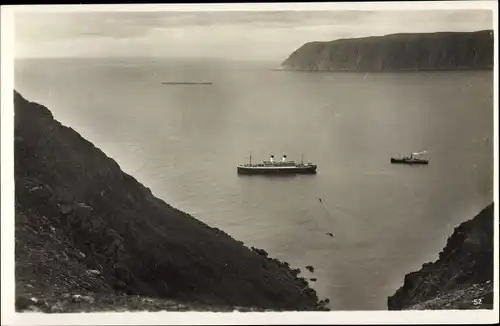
x,y
397,52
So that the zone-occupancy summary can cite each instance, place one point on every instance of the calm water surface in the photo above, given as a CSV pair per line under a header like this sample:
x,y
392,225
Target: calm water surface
x,y
184,142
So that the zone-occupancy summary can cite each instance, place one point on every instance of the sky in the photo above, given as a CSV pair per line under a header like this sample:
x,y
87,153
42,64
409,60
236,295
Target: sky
x,y
250,35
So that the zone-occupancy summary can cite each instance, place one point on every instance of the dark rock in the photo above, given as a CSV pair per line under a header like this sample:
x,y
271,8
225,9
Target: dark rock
x,y
57,308
33,308
310,268
261,252
488,298
22,303
42,192
82,298
302,281
66,209
93,272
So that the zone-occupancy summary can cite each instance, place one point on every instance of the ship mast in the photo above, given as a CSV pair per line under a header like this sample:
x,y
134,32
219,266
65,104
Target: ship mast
x,y
302,161
250,159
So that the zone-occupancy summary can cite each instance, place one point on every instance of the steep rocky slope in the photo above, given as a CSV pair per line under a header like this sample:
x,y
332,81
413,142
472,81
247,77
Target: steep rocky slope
x,y
89,236
397,52
462,277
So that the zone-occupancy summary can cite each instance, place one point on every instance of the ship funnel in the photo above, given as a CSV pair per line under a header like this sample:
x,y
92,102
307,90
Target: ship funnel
x,y
272,158
284,158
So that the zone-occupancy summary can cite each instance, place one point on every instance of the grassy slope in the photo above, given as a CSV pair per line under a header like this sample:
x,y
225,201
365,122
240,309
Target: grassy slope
x,y
83,226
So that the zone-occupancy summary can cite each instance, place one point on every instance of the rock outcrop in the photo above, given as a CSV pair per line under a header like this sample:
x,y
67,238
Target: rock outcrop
x,y
462,277
89,236
397,52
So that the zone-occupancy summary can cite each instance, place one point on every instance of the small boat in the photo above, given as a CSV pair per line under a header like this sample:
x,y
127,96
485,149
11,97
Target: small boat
x,y
273,167
409,159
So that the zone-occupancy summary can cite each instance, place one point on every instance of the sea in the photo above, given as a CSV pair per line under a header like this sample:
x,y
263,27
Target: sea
x,y
184,142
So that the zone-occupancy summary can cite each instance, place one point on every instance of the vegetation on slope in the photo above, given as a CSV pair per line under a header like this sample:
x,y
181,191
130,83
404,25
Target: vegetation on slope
x,y
85,230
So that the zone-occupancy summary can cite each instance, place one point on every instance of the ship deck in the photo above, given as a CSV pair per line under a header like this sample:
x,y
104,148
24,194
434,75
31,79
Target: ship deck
x,y
258,169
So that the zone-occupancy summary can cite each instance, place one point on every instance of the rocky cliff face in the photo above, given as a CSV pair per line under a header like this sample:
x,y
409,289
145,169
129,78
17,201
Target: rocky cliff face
x,y
462,277
89,235
397,52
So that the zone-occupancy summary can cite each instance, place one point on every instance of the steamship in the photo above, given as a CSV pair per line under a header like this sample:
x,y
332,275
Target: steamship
x,y
410,159
276,167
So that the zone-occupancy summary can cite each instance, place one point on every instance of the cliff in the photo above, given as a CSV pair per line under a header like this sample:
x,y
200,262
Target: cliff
x,y
89,237
462,277
397,52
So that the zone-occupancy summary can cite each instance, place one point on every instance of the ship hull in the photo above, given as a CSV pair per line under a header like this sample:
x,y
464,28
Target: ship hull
x,y
277,170
412,162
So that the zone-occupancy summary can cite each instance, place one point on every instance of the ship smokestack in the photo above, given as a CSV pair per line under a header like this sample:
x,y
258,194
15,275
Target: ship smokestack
x,y
284,158
272,158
